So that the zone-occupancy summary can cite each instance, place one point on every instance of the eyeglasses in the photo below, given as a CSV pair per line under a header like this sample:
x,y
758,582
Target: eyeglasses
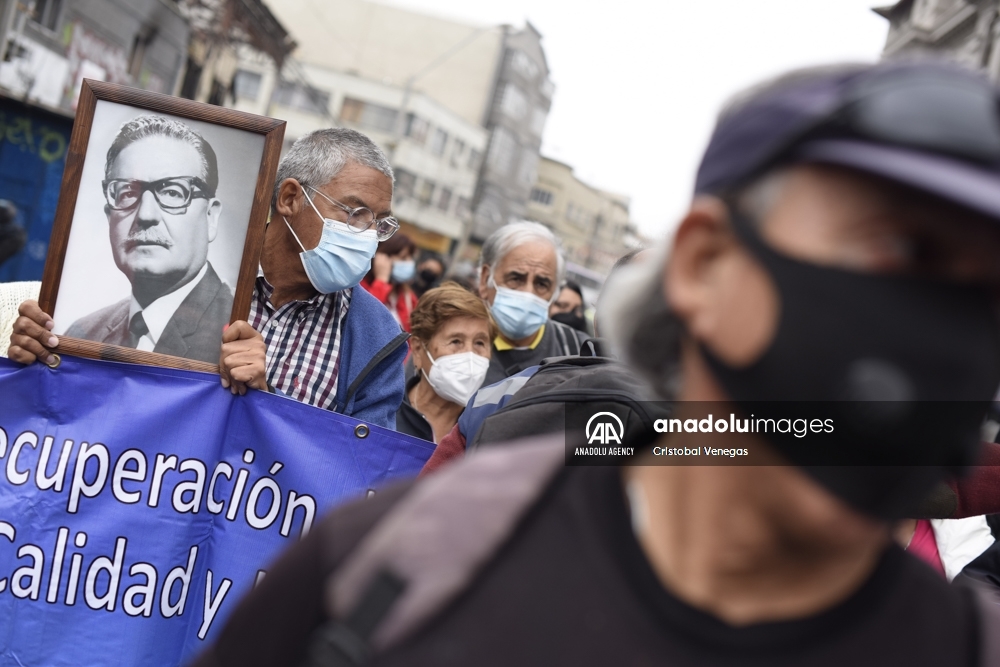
x,y
361,218
173,195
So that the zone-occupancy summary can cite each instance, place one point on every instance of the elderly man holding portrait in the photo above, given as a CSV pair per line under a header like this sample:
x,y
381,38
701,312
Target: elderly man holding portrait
x,y
310,335
452,333
520,270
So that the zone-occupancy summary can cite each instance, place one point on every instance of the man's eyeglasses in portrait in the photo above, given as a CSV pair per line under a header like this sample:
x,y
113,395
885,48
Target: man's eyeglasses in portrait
x,y
174,195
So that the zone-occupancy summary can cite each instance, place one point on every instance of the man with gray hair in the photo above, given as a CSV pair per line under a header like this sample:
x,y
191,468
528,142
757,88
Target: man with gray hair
x,y
310,335
520,271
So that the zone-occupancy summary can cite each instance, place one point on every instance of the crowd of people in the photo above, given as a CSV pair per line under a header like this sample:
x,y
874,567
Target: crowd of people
x,y
840,246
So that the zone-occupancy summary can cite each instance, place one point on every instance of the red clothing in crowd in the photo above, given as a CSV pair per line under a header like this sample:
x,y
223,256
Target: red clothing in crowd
x,y
923,545
399,299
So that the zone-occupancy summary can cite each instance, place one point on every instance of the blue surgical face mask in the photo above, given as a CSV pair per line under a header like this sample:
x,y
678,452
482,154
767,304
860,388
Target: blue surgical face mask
x,y
518,314
341,259
403,270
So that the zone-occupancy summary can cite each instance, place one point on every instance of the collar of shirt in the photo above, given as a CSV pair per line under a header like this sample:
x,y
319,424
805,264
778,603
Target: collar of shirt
x,y
266,289
158,314
502,346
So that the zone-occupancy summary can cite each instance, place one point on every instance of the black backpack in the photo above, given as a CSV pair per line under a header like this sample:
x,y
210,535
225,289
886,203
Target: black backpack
x,y
583,383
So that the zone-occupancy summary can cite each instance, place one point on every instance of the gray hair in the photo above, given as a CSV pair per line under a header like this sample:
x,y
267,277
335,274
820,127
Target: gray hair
x,y
642,330
316,158
502,241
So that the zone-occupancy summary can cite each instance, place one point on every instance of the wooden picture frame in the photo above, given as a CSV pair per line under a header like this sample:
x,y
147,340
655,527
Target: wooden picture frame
x,y
93,92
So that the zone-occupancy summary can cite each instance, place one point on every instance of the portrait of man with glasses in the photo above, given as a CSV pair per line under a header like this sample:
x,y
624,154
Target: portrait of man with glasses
x,y
159,187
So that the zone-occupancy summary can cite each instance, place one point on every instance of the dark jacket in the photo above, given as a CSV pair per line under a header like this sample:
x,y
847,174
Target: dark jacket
x,y
558,340
409,420
193,332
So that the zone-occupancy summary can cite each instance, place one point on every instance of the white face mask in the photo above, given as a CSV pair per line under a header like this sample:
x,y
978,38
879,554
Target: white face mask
x,y
456,377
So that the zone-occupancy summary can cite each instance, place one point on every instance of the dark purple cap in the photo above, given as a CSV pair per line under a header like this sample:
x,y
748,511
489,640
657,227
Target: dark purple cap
x,y
929,125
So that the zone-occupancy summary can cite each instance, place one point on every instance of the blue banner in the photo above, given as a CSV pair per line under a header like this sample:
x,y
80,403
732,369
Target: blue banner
x,y
137,504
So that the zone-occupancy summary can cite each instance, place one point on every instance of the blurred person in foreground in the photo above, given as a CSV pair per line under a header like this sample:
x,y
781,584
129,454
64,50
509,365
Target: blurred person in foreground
x,y
389,281
568,307
310,335
520,269
843,218
452,334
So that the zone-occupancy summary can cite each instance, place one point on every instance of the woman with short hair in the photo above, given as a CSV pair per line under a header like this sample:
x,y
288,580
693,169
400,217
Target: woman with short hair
x,y
452,338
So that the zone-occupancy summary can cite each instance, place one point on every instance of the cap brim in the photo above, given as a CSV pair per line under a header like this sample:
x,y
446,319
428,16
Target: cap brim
x,y
974,187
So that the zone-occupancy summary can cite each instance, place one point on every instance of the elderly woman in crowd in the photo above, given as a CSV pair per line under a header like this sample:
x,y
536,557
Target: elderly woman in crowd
x,y
452,340
392,272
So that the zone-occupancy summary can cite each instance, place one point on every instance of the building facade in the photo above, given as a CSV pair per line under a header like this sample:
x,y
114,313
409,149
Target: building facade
x,y
52,45
495,77
515,119
593,224
966,31
435,152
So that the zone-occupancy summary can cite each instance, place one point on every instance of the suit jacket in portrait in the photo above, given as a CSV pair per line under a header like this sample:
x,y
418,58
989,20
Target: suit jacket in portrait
x,y
193,332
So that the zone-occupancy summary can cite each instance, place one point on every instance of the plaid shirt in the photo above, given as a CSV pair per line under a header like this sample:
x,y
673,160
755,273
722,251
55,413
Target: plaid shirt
x,y
303,342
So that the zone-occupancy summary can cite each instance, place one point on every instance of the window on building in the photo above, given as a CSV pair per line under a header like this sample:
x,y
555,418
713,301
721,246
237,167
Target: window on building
x,y
523,64
417,128
439,141
538,117
246,84
474,157
543,197
463,208
503,150
547,88
405,182
368,115
192,76
425,191
444,198
47,13
529,166
513,103
302,97
457,149
143,38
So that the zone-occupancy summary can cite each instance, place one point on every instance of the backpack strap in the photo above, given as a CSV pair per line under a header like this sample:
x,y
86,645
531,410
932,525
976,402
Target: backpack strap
x,y
439,537
567,338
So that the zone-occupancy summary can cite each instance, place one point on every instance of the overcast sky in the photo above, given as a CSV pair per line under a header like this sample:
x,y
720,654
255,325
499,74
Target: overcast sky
x,y
638,82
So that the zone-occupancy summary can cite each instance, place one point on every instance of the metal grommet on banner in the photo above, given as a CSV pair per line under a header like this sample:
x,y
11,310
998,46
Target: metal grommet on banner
x,y
55,364
361,431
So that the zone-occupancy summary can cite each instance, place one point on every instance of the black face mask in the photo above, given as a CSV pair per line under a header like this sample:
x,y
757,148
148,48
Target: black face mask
x,y
429,276
578,322
904,366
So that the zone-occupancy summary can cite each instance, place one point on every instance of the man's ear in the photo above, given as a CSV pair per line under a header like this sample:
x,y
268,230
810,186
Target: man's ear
x,y
213,213
289,201
725,298
703,240
484,278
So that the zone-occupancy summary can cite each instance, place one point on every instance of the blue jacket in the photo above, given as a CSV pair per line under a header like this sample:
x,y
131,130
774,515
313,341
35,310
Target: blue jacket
x,y
370,387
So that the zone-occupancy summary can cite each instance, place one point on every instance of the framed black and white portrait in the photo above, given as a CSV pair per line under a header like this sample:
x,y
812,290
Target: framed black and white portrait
x,y
157,235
